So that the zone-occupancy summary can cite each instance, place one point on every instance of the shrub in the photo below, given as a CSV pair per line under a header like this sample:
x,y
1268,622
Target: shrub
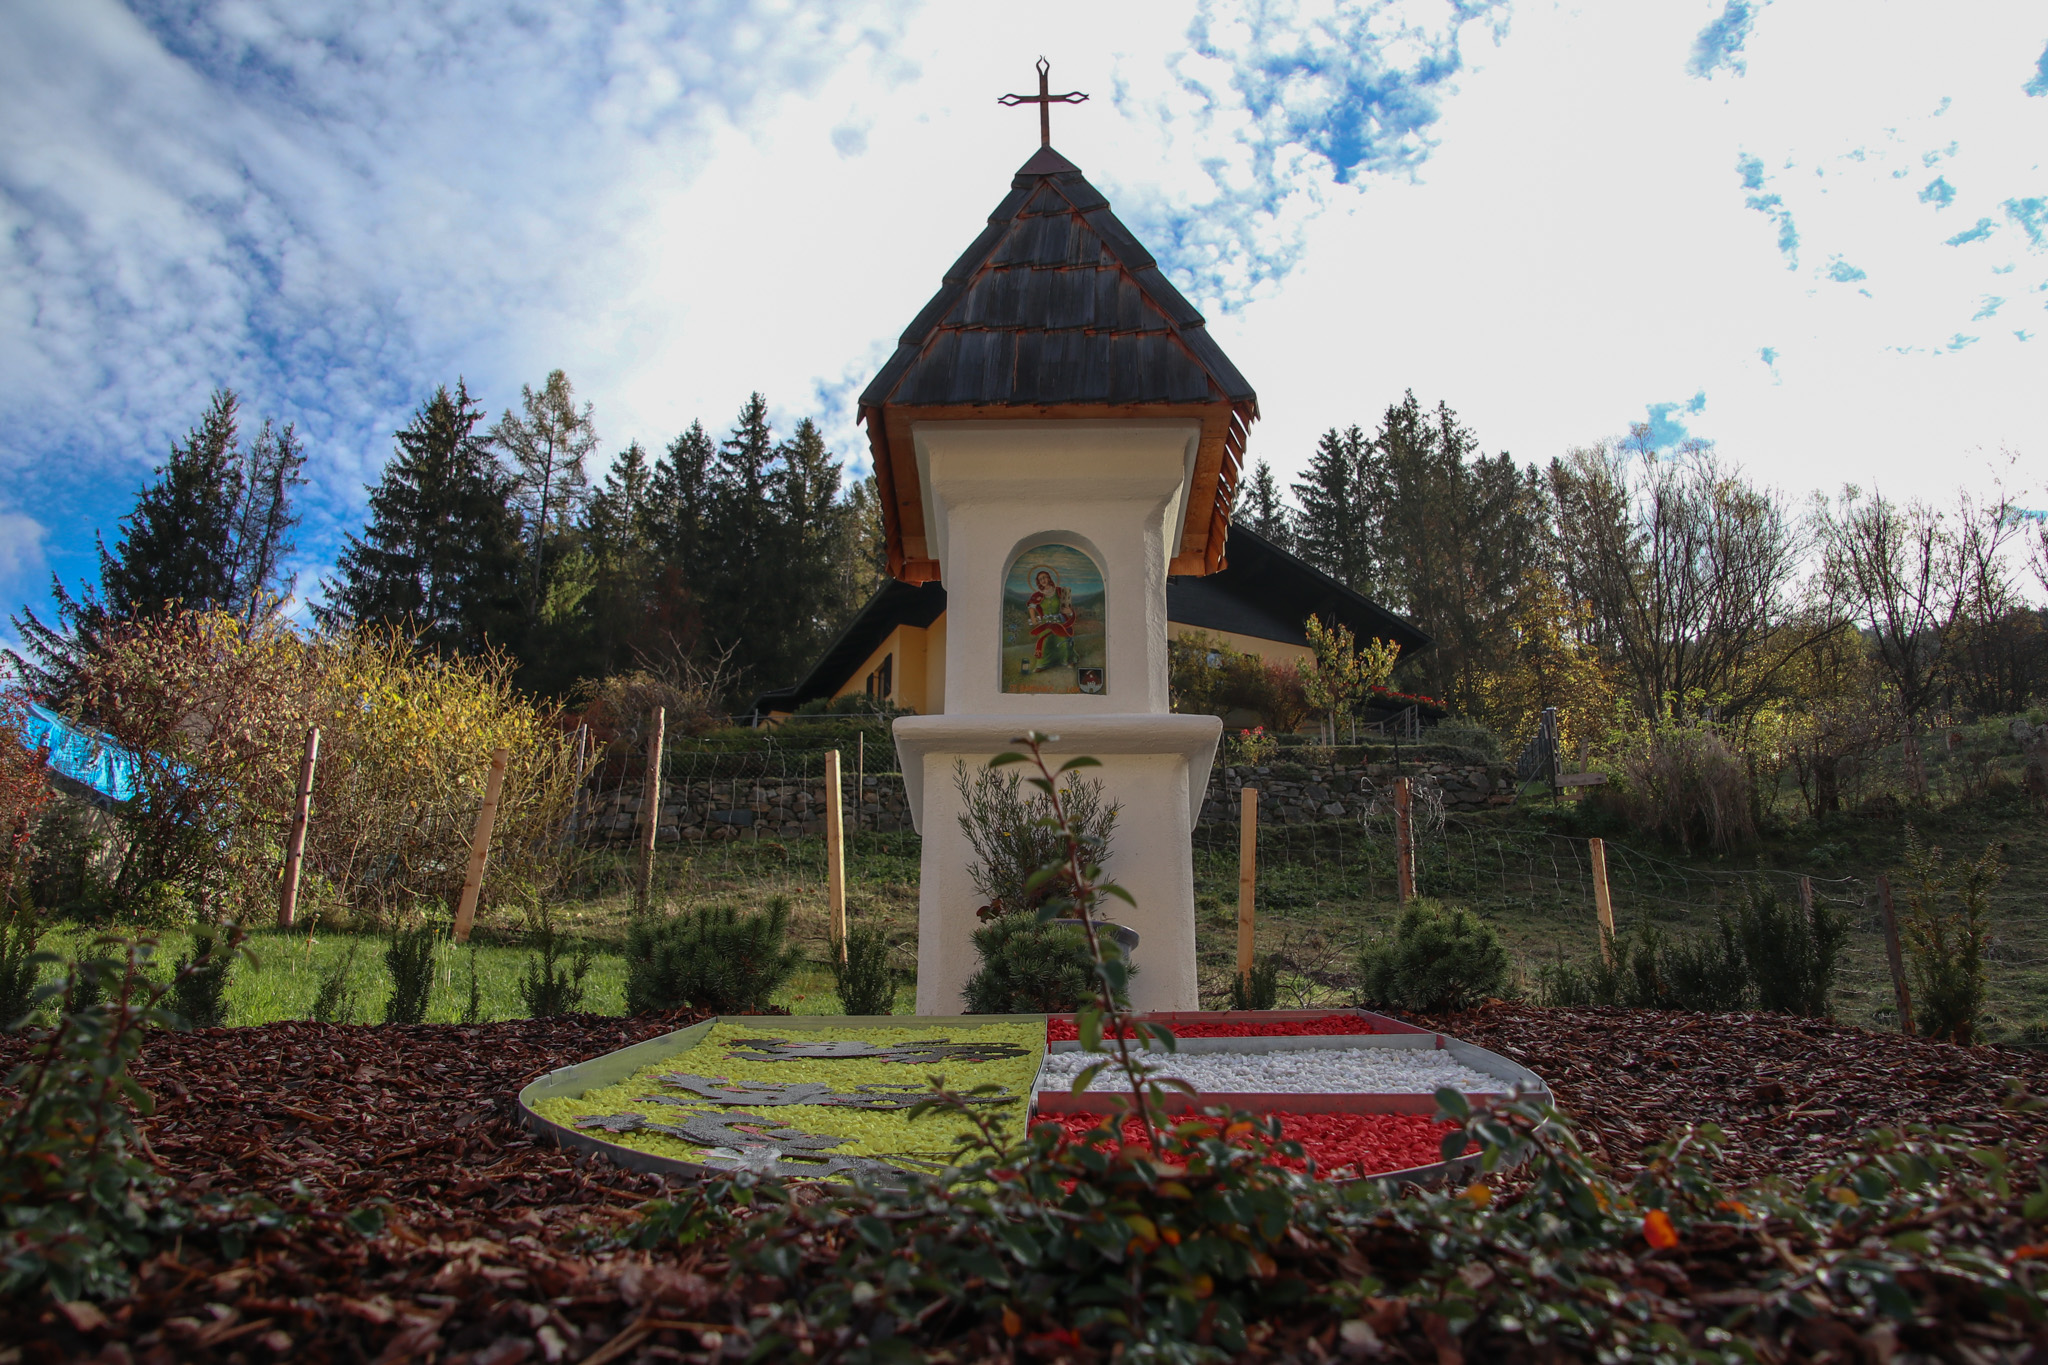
x,y
335,1000
1793,958
1683,782
1644,970
86,978
77,1205
1260,990
1012,838
473,1004
21,966
1033,966
548,987
863,981
1438,958
1946,928
1708,971
710,959
217,712
410,958
1081,1249
199,990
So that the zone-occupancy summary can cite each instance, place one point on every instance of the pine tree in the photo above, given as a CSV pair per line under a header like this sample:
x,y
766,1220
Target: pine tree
x,y
1262,510
440,552
547,447
271,473
1334,526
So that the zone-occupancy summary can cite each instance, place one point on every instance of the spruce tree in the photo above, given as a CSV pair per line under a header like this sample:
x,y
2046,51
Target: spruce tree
x,y
178,543
678,504
440,553
613,534
744,585
1334,527
1261,509
810,512
211,531
1458,535
675,521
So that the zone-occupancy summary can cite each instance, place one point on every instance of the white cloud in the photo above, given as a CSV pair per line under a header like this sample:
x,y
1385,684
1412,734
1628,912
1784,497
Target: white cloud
x,y
333,207
21,547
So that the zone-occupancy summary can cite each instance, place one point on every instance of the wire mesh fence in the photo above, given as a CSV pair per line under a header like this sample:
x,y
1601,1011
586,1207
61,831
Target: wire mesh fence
x,y
752,818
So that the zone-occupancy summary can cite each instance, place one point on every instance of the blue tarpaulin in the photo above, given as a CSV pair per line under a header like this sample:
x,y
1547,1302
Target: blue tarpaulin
x,y
82,755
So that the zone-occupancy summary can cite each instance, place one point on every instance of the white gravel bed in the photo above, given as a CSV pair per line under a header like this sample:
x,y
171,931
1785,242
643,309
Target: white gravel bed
x,y
1360,1070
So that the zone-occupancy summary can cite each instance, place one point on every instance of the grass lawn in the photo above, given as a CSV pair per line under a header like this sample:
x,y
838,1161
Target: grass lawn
x,y
281,976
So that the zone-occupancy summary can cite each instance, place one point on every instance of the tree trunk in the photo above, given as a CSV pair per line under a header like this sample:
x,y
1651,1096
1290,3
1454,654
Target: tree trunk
x,y
1916,770
1827,785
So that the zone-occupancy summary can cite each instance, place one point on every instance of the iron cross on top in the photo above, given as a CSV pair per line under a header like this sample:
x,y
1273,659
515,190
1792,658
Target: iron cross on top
x,y
1044,101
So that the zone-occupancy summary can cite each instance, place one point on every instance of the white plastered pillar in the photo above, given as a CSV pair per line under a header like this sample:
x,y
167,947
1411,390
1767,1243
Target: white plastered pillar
x,y
1116,489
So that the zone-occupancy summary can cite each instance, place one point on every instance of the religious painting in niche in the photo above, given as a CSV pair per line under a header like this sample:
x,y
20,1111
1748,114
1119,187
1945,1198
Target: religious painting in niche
x,y
1054,639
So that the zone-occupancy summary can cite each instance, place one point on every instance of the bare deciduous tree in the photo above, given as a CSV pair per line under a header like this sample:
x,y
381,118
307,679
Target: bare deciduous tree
x,y
1688,571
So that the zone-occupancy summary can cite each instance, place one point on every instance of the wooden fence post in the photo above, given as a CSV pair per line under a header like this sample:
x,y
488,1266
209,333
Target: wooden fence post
x,y
574,823
650,809
835,851
480,845
1247,882
1404,841
860,778
1603,901
295,848
1892,954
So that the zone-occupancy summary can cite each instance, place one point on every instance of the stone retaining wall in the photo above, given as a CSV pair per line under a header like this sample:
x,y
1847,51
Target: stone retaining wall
x,y
1348,793
778,809
768,809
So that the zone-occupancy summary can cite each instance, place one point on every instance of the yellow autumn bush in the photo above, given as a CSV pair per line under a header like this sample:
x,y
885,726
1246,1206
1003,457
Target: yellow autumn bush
x,y
406,739
220,710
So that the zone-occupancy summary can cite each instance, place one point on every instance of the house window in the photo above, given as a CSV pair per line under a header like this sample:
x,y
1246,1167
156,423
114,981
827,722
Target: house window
x,y
882,682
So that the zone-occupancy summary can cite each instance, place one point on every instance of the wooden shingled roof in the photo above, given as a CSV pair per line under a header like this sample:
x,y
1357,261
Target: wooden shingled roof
x,y
1057,311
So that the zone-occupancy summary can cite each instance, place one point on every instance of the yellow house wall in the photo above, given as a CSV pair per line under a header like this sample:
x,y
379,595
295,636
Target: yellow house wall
x,y
1273,651
910,674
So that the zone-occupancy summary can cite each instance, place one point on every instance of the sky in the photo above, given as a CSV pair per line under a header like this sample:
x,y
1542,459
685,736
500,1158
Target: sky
x,y
1814,235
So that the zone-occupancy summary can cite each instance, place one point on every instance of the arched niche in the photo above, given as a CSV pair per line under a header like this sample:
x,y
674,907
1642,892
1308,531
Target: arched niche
x,y
1055,619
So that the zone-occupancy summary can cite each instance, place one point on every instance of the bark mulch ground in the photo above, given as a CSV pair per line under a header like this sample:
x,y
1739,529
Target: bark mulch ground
x,y
481,1258
1791,1094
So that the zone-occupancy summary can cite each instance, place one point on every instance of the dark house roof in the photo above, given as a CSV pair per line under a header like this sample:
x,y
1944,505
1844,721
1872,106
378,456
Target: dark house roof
x,y
1056,302
1264,592
1268,593
894,604
1056,311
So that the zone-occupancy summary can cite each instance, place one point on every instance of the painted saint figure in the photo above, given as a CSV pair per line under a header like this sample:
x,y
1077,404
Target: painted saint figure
x,y
1050,612
1055,635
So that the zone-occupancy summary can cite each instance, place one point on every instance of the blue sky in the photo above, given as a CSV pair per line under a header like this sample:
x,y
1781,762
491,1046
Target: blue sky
x,y
1817,236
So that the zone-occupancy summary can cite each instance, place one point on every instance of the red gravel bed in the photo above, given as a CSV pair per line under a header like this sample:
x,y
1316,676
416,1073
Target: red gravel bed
x,y
1342,1146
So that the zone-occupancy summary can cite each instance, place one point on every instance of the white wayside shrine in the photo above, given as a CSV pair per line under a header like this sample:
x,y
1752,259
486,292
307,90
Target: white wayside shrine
x,y
1055,435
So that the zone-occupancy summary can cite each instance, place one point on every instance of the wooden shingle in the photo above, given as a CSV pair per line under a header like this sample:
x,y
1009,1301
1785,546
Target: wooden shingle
x,y
1057,310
